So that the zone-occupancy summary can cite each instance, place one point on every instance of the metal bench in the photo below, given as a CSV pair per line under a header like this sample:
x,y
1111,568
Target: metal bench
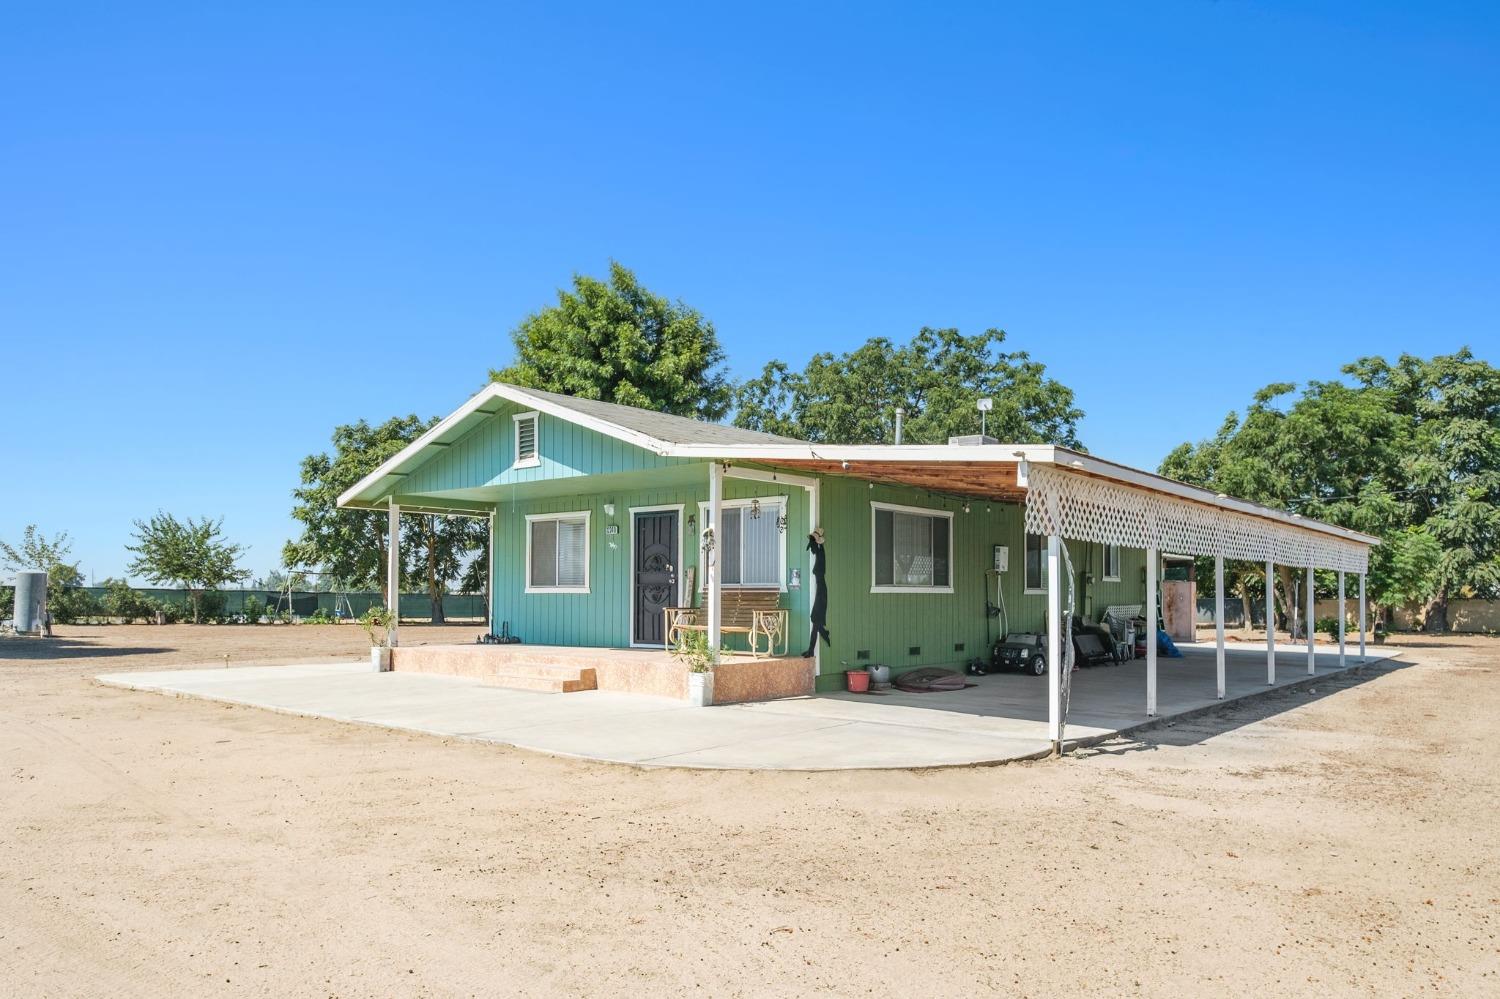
x,y
756,613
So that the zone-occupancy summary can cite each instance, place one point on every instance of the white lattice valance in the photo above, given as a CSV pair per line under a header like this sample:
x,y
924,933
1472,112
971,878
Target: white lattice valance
x,y
1086,508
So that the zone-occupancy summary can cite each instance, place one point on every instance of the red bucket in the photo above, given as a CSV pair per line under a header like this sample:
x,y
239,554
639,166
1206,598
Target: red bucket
x,y
858,680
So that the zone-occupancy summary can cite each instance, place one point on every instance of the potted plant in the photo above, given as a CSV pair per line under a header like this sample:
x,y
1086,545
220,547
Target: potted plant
x,y
693,650
377,622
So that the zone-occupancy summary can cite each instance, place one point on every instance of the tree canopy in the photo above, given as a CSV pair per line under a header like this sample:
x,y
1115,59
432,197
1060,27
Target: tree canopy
x,y
351,545
1409,452
617,342
189,553
937,377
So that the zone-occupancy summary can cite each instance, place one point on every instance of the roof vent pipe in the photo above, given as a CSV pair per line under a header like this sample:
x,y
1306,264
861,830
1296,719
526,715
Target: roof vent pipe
x,y
900,413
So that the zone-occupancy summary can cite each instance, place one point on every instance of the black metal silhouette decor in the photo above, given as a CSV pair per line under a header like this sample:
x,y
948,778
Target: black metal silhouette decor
x,y
819,614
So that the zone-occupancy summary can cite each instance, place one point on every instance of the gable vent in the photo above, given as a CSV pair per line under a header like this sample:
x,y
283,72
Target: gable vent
x,y
526,444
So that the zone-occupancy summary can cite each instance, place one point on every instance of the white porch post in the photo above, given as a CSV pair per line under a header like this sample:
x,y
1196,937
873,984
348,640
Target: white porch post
x,y
1219,622
1270,622
1361,617
489,585
393,571
711,570
815,518
1312,656
1054,644
1343,614
1151,570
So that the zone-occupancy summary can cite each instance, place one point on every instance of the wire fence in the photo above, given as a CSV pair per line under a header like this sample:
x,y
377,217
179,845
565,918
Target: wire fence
x,y
301,604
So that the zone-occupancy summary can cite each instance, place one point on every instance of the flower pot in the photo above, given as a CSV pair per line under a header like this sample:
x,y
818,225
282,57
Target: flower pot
x,y
858,680
380,658
880,677
700,689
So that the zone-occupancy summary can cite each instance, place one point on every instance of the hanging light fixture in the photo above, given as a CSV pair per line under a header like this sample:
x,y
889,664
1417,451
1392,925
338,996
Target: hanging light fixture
x,y
755,509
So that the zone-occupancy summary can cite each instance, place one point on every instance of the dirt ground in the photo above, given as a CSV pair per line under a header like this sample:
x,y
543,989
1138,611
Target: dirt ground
x,y
1337,842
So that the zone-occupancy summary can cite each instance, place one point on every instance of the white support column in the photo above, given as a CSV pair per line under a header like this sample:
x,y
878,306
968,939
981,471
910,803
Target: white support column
x,y
1219,622
1312,656
715,603
489,585
1343,615
1361,617
393,572
1270,623
1152,568
1054,644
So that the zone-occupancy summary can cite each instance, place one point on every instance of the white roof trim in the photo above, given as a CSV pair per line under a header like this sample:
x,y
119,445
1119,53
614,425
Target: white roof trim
x,y
507,393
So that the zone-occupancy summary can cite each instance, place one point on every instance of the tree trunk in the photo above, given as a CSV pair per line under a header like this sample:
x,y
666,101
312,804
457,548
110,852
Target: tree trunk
x,y
1436,617
193,599
1247,623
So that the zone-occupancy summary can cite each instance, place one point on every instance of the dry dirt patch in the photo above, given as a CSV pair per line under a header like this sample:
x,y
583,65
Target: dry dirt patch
x,y
1342,842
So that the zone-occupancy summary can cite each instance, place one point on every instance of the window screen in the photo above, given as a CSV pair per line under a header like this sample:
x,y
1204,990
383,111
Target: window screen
x,y
1036,562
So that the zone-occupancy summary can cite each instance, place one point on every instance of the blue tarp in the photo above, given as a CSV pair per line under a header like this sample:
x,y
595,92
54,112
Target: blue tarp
x,y
1165,646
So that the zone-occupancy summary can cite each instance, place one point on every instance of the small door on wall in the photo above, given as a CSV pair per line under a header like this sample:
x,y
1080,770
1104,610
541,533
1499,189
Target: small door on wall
x,y
654,587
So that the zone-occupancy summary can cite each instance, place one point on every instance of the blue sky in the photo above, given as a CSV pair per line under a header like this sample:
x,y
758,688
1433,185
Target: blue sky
x,y
223,231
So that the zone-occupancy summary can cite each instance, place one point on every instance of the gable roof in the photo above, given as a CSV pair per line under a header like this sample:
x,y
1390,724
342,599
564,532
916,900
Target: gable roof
x,y
996,465
660,433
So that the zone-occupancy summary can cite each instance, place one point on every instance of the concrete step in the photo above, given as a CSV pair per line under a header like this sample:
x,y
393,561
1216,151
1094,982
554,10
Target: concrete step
x,y
542,677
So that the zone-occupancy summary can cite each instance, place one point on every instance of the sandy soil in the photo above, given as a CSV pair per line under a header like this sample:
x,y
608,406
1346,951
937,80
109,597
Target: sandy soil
x,y
1342,842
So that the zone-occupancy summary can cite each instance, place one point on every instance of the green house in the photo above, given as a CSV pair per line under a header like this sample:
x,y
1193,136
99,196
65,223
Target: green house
x,y
603,517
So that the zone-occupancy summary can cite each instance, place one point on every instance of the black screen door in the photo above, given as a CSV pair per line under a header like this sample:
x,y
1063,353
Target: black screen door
x,y
655,585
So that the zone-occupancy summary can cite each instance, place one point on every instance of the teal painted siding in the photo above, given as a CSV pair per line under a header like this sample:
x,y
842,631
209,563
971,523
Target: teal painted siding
x,y
888,625
484,456
602,617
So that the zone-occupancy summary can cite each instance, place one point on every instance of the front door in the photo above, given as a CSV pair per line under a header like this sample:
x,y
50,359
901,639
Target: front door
x,y
655,569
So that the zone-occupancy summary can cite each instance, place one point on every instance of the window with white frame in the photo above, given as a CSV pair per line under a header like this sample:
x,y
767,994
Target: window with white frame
x,y
1112,563
1036,563
557,553
911,549
752,544
527,452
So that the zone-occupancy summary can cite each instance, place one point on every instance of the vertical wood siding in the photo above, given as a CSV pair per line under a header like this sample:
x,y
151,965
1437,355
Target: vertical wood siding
x,y
888,625
602,617
483,456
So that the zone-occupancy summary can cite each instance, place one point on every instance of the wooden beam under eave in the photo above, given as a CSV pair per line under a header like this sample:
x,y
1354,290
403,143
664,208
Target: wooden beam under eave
x,y
977,480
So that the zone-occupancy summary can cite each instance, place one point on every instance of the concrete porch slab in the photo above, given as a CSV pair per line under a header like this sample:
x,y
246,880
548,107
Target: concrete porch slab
x,y
1002,717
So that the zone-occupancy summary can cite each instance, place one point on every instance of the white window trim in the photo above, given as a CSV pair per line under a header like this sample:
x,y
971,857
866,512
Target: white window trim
x,y
536,457
1034,590
780,503
1103,568
630,577
922,512
588,551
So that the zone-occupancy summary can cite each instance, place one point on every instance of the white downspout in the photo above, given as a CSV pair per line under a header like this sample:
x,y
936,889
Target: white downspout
x,y
711,570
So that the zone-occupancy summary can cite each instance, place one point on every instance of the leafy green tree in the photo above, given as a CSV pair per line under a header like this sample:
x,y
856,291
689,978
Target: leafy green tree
x,y
617,342
1447,477
938,377
188,554
1413,445
66,601
351,545
348,544
38,552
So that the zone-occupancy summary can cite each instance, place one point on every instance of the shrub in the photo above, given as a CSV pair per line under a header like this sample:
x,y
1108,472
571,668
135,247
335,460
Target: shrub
x,y
211,606
319,616
123,602
254,609
71,604
377,623
7,602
